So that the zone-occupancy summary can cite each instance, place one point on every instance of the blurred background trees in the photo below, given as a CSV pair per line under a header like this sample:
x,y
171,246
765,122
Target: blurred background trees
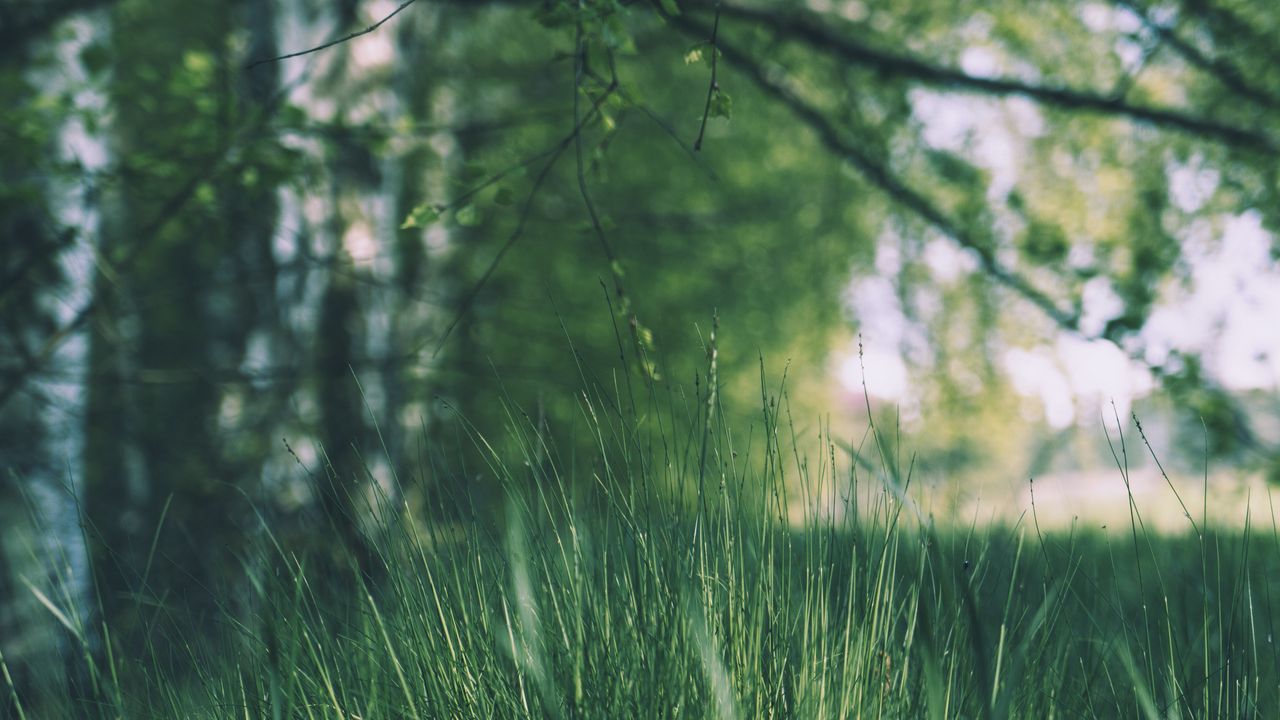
x,y
361,250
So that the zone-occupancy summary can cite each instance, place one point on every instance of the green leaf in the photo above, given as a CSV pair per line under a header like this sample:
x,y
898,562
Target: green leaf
x,y
1045,243
505,196
291,117
953,168
468,216
670,7
421,216
205,194
95,57
721,105
616,35
702,53
199,64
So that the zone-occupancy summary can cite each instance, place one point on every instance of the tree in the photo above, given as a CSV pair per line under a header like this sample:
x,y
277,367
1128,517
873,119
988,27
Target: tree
x,y
186,281
1086,212
41,544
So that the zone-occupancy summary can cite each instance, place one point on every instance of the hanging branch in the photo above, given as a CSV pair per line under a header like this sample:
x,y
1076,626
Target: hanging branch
x,y
893,186
819,37
714,86
579,72
336,41
882,176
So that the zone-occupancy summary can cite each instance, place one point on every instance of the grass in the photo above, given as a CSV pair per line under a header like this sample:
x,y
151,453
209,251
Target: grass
x,y
663,576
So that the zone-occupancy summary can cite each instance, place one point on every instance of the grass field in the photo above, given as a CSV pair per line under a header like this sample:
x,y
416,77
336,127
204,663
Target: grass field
x,y
661,577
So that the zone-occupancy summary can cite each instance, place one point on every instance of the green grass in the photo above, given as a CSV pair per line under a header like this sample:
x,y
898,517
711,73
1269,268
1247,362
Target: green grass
x,y
658,577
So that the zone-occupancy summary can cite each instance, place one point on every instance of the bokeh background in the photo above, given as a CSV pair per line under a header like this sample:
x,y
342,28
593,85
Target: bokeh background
x,y
1002,229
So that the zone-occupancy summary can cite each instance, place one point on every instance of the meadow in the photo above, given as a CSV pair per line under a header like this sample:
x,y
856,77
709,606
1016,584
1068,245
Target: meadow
x,y
690,569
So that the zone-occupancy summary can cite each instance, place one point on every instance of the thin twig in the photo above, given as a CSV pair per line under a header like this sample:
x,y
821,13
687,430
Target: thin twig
x,y
714,86
516,234
662,123
580,63
336,41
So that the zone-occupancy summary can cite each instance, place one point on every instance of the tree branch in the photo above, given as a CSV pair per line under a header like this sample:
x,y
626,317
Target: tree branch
x,y
714,86
914,201
525,212
1225,72
807,30
336,41
881,176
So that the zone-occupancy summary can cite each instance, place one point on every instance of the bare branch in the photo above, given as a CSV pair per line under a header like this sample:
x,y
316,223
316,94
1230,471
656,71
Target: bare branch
x,y
469,299
713,87
525,212
335,41
579,72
